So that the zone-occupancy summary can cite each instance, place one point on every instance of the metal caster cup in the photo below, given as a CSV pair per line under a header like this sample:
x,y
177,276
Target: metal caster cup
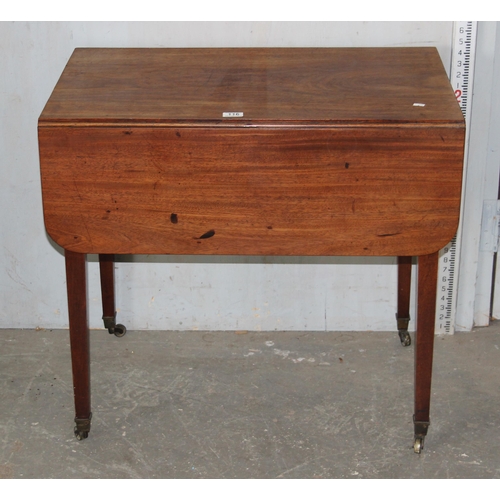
x,y
404,336
82,427
420,433
118,329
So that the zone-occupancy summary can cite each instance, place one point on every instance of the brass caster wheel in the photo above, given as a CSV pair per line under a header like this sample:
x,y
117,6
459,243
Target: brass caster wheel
x,y
80,435
82,427
109,323
120,330
418,445
405,338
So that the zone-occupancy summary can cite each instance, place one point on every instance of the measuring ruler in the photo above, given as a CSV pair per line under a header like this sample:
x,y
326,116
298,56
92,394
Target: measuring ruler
x,y
461,77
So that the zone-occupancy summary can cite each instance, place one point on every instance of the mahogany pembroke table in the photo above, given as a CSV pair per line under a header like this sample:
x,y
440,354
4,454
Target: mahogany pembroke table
x,y
252,151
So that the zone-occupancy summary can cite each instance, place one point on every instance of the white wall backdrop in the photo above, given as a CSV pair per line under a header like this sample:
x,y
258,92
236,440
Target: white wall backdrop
x,y
476,266
165,292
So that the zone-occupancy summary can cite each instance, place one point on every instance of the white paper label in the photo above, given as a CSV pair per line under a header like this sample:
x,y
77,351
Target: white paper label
x,y
232,114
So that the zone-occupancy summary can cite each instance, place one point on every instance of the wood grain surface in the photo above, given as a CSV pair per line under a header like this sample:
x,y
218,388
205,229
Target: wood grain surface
x,y
269,85
331,156
76,285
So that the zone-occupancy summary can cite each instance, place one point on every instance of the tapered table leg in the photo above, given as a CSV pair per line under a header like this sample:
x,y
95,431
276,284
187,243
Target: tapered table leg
x,y
404,286
76,281
107,272
424,345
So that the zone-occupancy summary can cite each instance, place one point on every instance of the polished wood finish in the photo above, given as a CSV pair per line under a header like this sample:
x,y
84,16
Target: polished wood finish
x,y
272,86
325,152
107,275
424,346
262,192
76,282
404,287
330,158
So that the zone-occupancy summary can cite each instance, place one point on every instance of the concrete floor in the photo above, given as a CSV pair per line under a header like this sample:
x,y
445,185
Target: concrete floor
x,y
248,405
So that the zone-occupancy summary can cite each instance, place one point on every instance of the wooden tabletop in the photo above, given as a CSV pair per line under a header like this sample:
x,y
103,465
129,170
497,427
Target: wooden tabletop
x,y
270,86
352,151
